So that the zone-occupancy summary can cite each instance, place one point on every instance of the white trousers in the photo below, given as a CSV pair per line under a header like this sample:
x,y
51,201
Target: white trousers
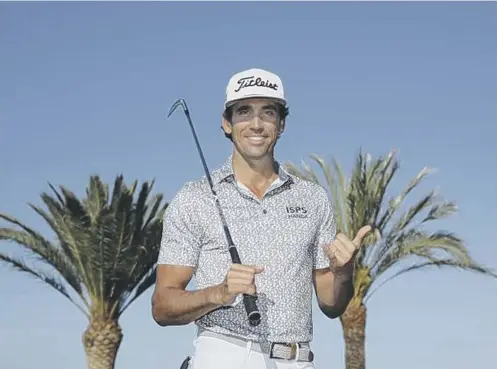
x,y
217,353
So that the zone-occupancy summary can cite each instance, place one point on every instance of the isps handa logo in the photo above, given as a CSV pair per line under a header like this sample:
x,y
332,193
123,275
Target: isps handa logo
x,y
296,212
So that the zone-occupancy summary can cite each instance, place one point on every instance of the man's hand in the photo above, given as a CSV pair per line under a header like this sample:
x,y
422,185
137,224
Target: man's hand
x,y
239,280
342,251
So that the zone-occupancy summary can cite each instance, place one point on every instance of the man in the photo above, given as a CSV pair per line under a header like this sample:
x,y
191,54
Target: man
x,y
284,230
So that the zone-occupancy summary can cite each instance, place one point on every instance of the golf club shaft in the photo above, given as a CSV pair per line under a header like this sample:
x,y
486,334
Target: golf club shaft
x,y
249,301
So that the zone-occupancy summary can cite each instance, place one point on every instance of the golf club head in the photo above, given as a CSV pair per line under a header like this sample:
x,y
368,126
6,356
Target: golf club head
x,y
184,364
179,102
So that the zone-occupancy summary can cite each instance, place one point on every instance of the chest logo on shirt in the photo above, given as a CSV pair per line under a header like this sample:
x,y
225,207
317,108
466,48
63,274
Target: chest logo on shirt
x,y
296,212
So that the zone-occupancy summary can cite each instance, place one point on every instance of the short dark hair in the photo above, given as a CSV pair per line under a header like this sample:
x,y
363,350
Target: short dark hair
x,y
283,112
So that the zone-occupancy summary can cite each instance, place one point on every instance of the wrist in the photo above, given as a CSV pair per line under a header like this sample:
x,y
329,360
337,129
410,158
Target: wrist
x,y
213,295
344,274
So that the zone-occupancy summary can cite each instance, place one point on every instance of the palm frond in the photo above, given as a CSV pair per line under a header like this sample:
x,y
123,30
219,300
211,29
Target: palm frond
x,y
395,232
45,251
305,173
143,286
64,232
337,185
96,197
21,266
431,246
396,202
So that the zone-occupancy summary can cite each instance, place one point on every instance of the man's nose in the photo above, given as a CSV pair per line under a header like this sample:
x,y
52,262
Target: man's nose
x,y
256,123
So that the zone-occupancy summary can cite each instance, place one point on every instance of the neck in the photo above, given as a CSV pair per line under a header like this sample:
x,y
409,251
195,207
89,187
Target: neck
x,y
259,173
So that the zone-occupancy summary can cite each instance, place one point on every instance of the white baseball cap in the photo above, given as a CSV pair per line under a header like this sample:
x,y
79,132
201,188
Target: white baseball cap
x,y
254,83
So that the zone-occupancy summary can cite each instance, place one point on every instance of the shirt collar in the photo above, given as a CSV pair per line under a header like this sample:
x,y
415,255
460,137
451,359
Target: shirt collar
x,y
225,172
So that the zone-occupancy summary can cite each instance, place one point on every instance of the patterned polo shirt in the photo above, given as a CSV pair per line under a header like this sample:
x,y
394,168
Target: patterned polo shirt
x,y
282,232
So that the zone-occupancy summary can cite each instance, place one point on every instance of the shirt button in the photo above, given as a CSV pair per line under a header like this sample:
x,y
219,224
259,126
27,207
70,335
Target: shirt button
x,y
264,211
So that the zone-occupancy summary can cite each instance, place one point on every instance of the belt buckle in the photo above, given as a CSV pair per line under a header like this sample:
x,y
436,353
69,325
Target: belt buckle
x,y
293,350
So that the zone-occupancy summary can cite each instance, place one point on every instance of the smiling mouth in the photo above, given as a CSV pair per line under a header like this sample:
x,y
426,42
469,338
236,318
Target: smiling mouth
x,y
256,139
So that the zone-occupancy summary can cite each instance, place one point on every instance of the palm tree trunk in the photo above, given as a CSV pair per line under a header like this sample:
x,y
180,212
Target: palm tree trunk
x,y
354,333
101,341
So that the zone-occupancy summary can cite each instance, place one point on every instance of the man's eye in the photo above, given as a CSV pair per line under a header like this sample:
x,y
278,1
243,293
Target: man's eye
x,y
242,111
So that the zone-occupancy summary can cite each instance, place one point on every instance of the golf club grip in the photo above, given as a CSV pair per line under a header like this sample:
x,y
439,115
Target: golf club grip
x,y
252,311
249,301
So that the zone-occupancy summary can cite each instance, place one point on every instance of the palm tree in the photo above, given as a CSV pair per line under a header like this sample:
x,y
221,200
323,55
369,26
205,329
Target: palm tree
x,y
398,237
105,250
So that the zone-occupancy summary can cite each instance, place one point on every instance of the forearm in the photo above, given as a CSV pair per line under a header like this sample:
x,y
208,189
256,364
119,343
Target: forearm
x,y
174,306
335,297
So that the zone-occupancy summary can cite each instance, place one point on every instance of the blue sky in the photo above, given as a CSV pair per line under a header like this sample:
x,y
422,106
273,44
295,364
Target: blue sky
x,y
85,88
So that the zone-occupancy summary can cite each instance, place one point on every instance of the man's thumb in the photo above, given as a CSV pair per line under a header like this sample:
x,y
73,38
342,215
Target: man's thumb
x,y
361,233
258,269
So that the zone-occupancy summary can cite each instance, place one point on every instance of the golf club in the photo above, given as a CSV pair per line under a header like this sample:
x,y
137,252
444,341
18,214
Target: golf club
x,y
253,313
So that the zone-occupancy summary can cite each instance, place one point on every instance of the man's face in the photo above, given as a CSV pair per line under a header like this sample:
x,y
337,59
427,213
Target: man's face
x,y
255,127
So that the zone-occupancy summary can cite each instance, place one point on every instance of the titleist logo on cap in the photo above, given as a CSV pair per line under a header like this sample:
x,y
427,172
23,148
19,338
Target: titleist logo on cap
x,y
252,81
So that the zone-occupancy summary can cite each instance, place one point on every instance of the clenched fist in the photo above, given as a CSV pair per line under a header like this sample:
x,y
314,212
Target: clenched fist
x,y
240,279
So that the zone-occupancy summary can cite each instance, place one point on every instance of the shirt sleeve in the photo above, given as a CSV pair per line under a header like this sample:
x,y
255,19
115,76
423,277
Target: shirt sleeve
x,y
326,232
180,242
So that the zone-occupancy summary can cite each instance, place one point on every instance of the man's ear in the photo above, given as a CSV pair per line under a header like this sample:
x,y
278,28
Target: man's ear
x,y
282,127
226,126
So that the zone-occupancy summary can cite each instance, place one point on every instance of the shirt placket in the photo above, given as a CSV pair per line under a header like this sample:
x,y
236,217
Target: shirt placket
x,y
261,203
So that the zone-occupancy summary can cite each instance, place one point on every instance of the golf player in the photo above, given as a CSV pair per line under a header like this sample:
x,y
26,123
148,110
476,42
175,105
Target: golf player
x,y
285,232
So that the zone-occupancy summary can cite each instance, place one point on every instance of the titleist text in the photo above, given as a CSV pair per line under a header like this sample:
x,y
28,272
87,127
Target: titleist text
x,y
252,81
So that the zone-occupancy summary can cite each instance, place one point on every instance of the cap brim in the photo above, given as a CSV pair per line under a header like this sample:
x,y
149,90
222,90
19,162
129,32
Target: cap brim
x,y
233,102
